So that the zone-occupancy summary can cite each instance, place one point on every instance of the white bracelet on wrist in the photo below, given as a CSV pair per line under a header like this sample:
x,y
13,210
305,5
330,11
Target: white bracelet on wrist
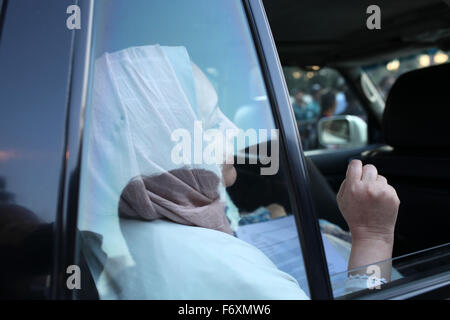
x,y
358,282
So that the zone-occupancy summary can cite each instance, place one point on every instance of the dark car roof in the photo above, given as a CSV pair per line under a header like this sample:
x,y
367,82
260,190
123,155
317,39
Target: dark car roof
x,y
334,32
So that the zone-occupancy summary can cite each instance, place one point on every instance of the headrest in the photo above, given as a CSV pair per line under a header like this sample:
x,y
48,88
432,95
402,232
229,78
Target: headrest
x,y
416,110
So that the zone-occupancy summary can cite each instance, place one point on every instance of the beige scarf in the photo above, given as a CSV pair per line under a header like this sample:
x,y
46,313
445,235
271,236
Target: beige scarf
x,y
185,196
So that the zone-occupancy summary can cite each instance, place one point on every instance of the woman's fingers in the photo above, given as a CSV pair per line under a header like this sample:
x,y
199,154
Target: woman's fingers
x,y
354,171
369,173
382,179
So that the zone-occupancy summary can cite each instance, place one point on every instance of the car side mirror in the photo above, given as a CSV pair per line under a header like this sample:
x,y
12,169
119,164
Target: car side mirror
x,y
338,132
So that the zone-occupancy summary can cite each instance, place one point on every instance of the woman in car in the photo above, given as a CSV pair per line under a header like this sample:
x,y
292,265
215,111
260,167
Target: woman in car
x,y
173,239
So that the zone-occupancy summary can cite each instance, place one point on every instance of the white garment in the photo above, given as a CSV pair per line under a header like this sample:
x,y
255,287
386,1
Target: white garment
x,y
175,261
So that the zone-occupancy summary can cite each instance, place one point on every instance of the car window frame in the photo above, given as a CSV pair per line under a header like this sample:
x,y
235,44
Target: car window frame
x,y
78,90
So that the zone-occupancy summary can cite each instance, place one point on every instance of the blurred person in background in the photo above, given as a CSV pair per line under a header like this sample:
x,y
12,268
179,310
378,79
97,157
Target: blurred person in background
x,y
315,94
353,106
341,100
305,108
328,103
306,113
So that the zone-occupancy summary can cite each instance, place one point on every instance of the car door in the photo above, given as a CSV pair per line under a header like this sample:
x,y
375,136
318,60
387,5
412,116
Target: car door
x,y
42,148
35,63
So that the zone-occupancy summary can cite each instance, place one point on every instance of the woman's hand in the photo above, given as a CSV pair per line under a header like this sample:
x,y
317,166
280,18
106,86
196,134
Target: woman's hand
x,y
370,206
368,203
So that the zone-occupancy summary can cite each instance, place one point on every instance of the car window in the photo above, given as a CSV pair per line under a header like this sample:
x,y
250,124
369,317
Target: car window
x,y
322,93
384,73
160,220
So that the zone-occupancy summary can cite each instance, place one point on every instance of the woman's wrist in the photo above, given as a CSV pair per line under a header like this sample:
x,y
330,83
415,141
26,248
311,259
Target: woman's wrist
x,y
371,245
371,250
367,234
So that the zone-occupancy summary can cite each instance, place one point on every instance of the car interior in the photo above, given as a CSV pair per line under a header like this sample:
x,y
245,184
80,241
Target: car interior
x,y
407,143
417,164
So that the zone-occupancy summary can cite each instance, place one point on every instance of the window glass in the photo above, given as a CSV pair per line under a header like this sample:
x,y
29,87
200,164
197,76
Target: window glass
x,y
318,94
35,55
421,266
384,73
163,213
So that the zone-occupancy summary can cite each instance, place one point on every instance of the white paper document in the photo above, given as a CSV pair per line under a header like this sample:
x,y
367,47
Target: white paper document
x,y
278,239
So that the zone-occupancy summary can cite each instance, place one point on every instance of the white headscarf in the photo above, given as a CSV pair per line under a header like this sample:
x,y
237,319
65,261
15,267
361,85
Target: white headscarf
x,y
140,96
